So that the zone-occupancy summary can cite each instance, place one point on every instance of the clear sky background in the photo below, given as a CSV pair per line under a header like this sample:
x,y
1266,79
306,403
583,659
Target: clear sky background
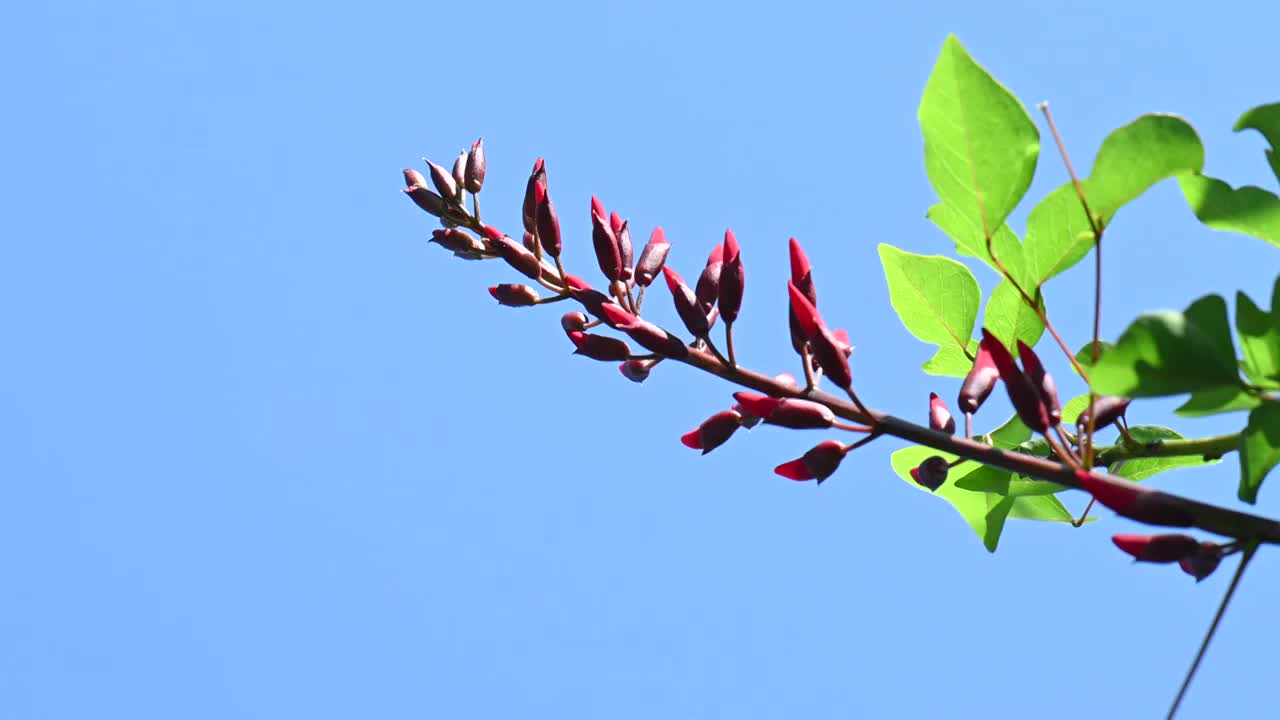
x,y
265,453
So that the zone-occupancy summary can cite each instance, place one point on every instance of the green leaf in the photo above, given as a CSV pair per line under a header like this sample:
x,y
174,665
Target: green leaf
x,y
1136,156
984,511
1228,398
951,361
1085,355
1259,334
1259,448
971,240
1071,411
1058,235
1045,508
1006,483
1248,210
1168,353
980,145
936,297
1011,434
1266,120
1143,468
1010,319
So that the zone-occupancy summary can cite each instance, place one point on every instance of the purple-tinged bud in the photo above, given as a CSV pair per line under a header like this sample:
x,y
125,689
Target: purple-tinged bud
x,y
979,383
573,321
460,173
708,288
802,278
652,337
842,341
517,256
792,413
652,258
687,307
413,177
732,279
1157,548
459,243
1203,561
829,354
605,242
1023,393
592,300
425,199
615,222
1136,502
599,347
475,167
444,183
931,473
625,250
513,295
491,233
1108,409
816,464
530,242
1042,381
636,370
939,416
713,432
537,182
548,226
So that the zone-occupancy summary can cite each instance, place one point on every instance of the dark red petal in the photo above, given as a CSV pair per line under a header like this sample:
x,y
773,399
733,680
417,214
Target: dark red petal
x,y
794,470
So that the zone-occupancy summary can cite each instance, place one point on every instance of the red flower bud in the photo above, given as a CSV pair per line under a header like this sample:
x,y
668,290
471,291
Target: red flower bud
x,y
1135,502
979,383
939,416
573,320
599,347
732,279
829,354
530,242
786,412
537,180
424,198
713,432
687,307
1023,393
1203,561
802,278
548,226
517,256
615,222
931,473
444,182
605,242
624,249
842,341
708,288
475,167
514,295
804,313
1109,408
636,370
1157,548
1042,381
652,258
459,243
816,464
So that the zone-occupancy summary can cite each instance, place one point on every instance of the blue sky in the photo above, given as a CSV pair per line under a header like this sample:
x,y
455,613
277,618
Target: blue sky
x,y
265,453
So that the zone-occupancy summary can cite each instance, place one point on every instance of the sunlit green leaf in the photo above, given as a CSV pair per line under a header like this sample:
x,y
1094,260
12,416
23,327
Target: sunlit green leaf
x,y
980,144
951,361
1010,319
936,297
1259,448
1058,235
969,237
1266,120
1071,411
1138,155
1248,210
984,511
1167,353
1143,468
1011,434
1045,508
